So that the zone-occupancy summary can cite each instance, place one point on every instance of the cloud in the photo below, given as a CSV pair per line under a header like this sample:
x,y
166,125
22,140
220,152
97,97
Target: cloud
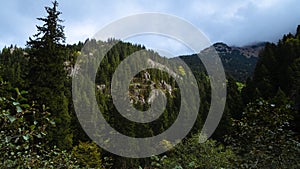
x,y
80,31
242,22
166,46
236,22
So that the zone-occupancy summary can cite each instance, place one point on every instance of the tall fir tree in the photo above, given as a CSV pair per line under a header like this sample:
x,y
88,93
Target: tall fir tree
x,y
47,76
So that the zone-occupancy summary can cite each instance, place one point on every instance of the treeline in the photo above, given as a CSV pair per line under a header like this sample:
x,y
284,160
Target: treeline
x,y
278,74
39,126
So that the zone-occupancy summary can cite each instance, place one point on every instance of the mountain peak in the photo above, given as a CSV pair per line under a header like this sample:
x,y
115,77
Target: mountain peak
x,y
248,51
221,47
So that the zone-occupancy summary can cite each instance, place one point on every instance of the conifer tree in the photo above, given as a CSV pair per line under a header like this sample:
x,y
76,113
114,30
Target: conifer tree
x,y
47,76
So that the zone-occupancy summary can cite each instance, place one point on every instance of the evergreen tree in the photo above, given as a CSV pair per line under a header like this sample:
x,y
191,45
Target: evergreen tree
x,y
47,75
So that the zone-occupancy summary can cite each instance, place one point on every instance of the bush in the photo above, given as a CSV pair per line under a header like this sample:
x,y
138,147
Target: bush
x,y
22,136
191,154
88,155
262,137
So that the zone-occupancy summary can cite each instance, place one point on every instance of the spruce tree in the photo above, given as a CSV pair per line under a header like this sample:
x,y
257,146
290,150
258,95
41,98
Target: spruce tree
x,y
47,76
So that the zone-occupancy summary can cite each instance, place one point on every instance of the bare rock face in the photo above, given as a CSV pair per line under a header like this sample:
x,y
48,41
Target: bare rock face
x,y
166,86
152,96
147,76
101,87
164,68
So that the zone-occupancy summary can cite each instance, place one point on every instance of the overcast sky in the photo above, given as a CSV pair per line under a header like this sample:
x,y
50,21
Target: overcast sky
x,y
235,22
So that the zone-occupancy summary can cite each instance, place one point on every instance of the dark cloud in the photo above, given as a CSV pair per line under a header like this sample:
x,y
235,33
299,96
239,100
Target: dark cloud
x,y
236,22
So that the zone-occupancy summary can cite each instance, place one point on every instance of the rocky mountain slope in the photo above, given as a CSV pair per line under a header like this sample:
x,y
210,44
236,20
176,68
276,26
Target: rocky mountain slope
x,y
238,62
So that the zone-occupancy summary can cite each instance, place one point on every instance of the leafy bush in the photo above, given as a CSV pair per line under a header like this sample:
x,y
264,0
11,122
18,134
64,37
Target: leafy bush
x,y
22,136
88,155
263,137
191,154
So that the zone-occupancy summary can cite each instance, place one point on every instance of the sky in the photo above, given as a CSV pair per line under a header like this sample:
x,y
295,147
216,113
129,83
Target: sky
x,y
235,22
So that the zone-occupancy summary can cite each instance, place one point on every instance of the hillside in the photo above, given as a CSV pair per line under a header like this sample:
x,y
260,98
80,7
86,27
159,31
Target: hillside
x,y
277,74
238,62
75,106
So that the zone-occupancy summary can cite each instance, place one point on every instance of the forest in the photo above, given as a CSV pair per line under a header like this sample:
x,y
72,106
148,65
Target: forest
x,y
39,128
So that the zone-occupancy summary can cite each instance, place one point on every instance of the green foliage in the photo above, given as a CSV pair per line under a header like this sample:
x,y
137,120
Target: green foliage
x,y
47,76
233,108
191,154
22,136
33,135
88,155
278,69
240,86
262,137
13,66
181,70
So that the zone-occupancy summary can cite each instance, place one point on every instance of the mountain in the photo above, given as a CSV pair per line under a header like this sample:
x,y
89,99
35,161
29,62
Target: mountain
x,y
251,50
238,62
